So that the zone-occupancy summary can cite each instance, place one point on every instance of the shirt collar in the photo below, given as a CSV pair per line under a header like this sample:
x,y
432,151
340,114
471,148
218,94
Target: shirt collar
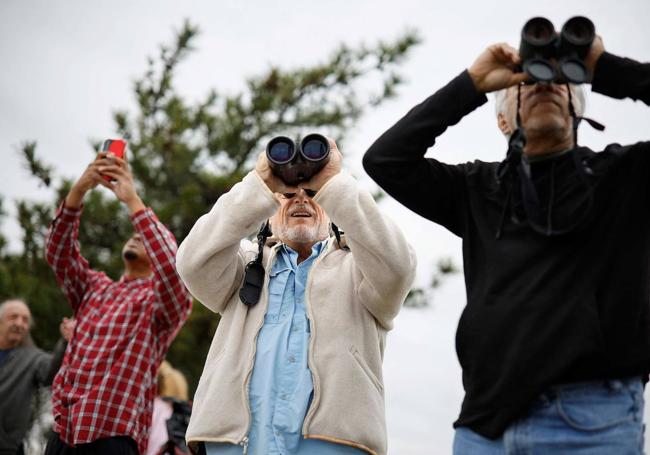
x,y
288,258
132,280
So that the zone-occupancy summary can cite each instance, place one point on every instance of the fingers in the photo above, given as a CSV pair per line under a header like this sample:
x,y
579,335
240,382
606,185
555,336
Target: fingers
x,y
105,183
262,162
109,157
506,54
113,170
120,162
100,156
91,176
519,78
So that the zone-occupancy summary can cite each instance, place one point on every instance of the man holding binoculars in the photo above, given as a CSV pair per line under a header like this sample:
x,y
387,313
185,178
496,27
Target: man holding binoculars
x,y
295,366
555,339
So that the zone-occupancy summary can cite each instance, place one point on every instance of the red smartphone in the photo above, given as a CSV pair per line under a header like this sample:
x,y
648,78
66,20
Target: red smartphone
x,y
117,147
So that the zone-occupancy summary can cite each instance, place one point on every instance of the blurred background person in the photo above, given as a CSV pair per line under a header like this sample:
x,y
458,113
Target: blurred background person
x,y
171,413
23,369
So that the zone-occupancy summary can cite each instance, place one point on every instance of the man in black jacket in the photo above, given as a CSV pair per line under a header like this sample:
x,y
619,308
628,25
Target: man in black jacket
x,y
23,368
555,339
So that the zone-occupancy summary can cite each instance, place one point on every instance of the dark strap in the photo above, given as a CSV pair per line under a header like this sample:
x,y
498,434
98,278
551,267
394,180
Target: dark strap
x,y
254,273
251,289
516,164
337,234
576,119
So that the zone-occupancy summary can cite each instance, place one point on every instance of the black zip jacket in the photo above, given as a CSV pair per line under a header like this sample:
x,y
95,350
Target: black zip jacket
x,y
541,310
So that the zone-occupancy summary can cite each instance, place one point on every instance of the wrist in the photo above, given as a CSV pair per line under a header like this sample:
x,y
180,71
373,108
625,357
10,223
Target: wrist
x,y
75,197
473,77
273,183
134,204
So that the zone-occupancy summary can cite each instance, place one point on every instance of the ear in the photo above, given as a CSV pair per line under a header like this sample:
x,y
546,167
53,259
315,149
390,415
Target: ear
x,y
503,124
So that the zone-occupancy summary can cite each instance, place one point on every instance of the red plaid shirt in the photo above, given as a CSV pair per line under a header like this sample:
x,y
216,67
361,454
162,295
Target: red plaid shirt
x,y
107,382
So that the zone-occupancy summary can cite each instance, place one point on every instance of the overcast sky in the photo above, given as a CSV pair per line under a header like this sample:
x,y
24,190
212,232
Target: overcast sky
x,y
68,65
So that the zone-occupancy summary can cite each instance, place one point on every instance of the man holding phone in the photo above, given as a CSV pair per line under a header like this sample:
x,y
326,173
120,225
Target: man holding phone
x,y
103,394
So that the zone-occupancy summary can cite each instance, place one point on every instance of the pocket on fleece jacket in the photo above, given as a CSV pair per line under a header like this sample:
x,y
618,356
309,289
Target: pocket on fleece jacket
x,y
365,368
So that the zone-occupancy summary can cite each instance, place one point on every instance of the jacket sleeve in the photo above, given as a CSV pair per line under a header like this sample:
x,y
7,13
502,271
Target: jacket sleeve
x,y
384,259
47,365
620,77
173,303
210,260
62,253
396,160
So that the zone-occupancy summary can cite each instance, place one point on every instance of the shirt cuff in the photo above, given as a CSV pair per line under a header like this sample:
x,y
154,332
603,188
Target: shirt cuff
x,y
141,218
607,72
68,213
468,97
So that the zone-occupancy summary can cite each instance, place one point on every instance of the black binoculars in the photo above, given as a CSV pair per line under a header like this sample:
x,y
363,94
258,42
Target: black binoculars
x,y
544,52
295,163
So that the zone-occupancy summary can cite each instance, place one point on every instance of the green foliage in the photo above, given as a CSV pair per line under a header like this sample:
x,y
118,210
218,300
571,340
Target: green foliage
x,y
185,155
421,297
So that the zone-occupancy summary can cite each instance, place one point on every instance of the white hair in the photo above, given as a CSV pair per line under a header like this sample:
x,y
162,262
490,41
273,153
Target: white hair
x,y
27,339
5,304
577,97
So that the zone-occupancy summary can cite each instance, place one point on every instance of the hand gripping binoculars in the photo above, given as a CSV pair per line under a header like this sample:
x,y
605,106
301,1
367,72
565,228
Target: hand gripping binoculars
x,y
551,57
295,163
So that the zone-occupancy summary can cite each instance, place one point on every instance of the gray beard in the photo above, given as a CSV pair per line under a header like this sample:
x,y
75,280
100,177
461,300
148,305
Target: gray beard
x,y
301,234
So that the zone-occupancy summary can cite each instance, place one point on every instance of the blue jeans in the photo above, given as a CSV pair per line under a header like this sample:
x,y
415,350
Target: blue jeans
x,y
592,418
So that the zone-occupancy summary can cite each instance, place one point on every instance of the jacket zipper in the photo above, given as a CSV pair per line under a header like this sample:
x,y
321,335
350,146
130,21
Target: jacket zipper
x,y
244,444
310,355
310,360
244,439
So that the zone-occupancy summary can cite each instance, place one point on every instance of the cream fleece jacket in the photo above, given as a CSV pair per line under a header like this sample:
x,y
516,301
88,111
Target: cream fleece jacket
x,y
351,299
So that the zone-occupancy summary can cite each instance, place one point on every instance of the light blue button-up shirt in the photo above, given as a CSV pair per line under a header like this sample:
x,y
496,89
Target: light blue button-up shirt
x,y
281,386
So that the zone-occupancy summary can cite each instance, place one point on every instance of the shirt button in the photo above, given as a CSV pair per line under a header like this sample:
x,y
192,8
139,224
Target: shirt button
x,y
283,396
292,359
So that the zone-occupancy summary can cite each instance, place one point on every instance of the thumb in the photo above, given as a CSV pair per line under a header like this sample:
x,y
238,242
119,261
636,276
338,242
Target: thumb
x,y
518,78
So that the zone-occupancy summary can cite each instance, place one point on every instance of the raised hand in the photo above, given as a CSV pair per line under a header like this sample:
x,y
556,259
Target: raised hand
x,y
496,67
90,178
67,328
122,183
274,182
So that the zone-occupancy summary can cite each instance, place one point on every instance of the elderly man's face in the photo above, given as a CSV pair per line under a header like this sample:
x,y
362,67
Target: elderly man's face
x,y
14,323
299,220
544,109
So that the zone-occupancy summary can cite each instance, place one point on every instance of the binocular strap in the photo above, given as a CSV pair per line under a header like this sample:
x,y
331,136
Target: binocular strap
x,y
516,164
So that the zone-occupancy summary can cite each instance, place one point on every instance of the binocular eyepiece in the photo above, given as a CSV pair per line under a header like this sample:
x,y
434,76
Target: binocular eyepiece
x,y
295,163
551,57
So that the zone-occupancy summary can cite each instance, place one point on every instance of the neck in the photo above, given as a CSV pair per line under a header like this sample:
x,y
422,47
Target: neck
x,y
137,270
7,344
303,250
547,144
